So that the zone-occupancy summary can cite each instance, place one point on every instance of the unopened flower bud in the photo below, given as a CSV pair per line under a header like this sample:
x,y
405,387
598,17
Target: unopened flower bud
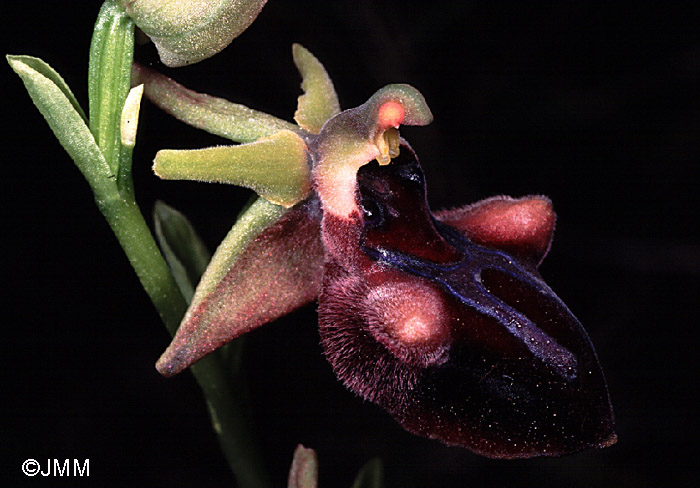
x,y
188,31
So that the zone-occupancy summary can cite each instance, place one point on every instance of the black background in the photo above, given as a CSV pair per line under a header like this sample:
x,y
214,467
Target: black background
x,y
597,106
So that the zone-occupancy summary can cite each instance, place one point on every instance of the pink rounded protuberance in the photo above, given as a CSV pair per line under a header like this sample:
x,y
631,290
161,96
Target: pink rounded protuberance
x,y
391,114
522,226
410,319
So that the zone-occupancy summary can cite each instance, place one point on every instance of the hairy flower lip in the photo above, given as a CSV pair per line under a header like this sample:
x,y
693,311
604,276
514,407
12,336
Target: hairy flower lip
x,y
509,372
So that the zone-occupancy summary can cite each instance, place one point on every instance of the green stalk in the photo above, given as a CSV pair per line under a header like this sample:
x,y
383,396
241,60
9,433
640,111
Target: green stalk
x,y
226,411
104,159
111,56
131,230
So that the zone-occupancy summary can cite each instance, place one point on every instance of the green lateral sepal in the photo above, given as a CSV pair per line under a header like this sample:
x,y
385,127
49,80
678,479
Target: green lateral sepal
x,y
269,264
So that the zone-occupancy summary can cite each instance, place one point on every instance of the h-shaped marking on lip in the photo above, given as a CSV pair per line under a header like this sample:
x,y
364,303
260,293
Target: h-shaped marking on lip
x,y
467,272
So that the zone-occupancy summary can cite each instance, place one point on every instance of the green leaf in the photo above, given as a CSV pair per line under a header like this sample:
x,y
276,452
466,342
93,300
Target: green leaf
x,y
371,475
319,101
58,106
48,72
186,32
184,251
109,76
214,115
276,167
304,470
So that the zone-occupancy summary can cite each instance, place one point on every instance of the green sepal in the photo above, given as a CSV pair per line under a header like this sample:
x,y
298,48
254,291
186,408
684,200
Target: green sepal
x,y
186,254
270,263
260,215
109,74
371,475
304,470
214,115
319,101
276,167
58,106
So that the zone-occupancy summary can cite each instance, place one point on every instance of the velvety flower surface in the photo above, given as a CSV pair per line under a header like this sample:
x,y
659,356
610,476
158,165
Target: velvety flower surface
x,y
468,344
441,319
188,31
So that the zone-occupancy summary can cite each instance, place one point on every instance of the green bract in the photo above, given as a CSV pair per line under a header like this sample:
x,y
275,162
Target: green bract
x,y
186,254
67,120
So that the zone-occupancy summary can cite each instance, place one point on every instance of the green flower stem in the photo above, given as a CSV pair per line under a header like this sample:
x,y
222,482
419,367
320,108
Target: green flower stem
x,y
104,158
224,396
102,153
125,181
131,230
219,388
111,55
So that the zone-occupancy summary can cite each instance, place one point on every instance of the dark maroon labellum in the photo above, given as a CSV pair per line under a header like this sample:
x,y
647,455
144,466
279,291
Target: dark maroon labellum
x,y
446,323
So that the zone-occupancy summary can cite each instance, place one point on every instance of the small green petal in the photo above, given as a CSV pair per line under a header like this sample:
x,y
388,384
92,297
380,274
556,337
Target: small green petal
x,y
214,115
188,31
319,101
304,470
276,167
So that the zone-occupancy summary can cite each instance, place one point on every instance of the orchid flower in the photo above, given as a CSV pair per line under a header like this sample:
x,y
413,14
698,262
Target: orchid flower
x,y
441,319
